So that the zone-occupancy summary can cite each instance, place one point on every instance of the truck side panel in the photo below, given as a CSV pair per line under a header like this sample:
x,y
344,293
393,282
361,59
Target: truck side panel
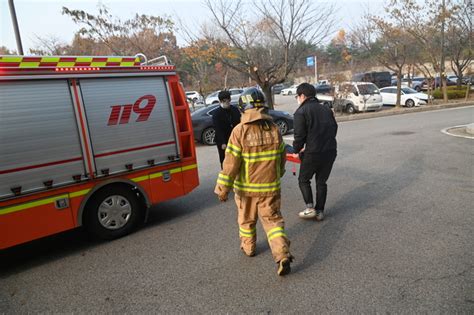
x,y
39,142
130,122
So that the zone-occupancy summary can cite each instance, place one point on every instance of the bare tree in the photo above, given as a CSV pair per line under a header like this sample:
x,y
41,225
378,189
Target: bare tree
x,y
50,45
269,46
459,41
388,42
426,23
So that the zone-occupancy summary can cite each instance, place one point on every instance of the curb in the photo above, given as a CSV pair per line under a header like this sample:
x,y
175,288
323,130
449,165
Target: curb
x,y
401,111
465,136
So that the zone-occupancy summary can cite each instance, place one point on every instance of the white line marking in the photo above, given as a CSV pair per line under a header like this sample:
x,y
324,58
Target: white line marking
x,y
445,131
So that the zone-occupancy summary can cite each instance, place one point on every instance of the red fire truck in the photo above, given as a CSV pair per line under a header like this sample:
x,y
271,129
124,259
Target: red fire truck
x,y
89,141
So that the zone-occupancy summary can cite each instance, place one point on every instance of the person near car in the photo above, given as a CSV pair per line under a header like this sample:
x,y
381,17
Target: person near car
x,y
254,163
315,130
224,119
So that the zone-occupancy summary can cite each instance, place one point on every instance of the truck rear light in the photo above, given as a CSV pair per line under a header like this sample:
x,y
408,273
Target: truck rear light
x,y
48,184
151,162
105,171
129,167
16,190
67,69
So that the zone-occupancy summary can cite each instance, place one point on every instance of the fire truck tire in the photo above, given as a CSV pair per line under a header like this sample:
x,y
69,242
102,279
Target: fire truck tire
x,y
113,212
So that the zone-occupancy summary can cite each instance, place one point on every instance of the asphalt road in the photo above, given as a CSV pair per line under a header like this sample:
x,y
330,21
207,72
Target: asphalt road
x,y
397,238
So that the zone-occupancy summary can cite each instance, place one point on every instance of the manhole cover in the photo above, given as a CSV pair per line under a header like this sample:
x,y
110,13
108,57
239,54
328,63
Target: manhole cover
x,y
402,133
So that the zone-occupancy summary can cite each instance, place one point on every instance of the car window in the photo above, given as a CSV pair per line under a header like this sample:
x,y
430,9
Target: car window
x,y
234,92
209,113
367,89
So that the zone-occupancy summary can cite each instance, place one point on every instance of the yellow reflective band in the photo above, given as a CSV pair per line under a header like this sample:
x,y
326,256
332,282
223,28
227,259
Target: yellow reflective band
x,y
277,183
279,234
98,64
262,159
66,64
175,170
79,193
247,231
257,190
189,167
246,234
140,179
232,152
278,228
84,59
224,176
233,147
33,204
114,59
220,181
127,63
29,64
50,59
11,59
249,154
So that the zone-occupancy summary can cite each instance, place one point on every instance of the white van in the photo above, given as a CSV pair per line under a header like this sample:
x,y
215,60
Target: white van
x,y
353,97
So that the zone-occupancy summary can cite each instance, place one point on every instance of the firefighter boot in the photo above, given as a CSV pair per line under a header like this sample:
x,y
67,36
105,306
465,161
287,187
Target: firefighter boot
x,y
284,267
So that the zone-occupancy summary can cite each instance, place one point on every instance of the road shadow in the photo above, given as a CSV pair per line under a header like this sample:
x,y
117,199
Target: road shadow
x,y
45,250
349,206
353,204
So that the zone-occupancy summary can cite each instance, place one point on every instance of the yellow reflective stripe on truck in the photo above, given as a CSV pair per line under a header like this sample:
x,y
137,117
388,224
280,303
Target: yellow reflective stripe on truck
x,y
32,204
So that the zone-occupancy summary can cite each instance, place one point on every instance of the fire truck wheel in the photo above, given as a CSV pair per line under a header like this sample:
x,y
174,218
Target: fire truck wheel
x,y
113,212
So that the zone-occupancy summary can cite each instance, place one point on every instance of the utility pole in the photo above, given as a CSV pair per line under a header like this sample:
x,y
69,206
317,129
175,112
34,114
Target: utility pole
x,y
15,27
442,76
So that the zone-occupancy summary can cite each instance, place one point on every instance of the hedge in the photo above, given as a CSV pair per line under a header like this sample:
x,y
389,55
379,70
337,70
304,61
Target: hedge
x,y
453,92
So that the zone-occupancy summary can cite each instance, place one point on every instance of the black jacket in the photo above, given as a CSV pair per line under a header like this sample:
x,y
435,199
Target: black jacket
x,y
224,120
315,126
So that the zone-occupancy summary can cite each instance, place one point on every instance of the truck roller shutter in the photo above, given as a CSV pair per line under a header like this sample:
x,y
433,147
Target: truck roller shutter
x,y
130,122
39,141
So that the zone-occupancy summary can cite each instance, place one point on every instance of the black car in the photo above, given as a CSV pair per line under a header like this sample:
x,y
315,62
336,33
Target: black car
x,y
204,130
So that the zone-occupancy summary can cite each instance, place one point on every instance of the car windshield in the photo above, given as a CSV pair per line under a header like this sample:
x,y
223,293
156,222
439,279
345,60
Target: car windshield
x,y
408,90
367,89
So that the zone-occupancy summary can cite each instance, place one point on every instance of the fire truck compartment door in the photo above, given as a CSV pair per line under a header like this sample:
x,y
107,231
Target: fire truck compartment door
x,y
130,122
39,140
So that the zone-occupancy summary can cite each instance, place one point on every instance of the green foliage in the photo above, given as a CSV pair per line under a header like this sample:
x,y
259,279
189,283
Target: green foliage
x,y
453,92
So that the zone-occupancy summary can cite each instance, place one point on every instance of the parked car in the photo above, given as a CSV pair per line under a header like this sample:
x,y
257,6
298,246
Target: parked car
x,y
408,96
204,131
324,94
354,97
289,91
437,82
234,96
194,96
380,79
276,89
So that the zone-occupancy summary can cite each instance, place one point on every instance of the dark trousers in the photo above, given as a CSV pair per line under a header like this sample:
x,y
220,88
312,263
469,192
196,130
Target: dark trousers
x,y
321,165
221,153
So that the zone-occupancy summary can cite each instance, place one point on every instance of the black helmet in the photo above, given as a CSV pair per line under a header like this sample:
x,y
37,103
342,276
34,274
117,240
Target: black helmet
x,y
251,98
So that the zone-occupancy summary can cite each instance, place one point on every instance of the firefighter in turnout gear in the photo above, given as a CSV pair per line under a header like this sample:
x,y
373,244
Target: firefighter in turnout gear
x,y
253,165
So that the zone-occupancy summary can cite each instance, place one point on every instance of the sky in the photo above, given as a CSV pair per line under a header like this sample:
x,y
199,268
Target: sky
x,y
43,18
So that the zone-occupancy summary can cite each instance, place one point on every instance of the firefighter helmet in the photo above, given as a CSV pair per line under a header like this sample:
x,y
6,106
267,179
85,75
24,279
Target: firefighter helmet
x,y
251,98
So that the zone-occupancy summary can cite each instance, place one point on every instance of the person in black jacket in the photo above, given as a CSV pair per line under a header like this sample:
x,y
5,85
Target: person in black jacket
x,y
315,131
224,118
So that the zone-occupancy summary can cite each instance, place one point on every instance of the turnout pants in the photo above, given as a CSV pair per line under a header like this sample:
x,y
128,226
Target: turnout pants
x,y
321,165
268,210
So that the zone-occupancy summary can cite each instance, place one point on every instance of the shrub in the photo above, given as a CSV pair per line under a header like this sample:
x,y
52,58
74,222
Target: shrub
x,y
453,92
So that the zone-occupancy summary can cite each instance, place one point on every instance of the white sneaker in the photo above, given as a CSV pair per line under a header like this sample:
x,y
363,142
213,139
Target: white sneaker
x,y
308,213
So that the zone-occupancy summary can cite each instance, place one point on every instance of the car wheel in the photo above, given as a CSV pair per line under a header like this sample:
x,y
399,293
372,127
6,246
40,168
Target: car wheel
x,y
209,136
215,102
289,93
350,109
113,212
282,126
417,88
409,103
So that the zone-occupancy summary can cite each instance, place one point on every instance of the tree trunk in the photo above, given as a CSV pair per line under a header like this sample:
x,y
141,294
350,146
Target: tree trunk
x,y
399,87
268,95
